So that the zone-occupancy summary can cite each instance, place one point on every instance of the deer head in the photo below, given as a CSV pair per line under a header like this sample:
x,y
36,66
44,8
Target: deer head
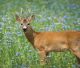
x,y
25,22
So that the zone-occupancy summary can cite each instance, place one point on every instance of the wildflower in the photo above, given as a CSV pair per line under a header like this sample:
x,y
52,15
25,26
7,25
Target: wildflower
x,y
65,16
18,53
29,50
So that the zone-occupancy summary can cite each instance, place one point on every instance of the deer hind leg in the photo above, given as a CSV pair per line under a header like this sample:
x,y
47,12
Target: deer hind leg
x,y
76,52
78,59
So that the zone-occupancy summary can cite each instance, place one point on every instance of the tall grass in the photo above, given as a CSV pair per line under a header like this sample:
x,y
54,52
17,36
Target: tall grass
x,y
51,15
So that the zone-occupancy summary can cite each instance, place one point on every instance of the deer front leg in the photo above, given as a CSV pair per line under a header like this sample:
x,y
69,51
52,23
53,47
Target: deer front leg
x,y
42,57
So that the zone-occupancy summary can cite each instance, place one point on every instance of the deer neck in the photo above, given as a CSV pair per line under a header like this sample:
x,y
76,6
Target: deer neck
x,y
30,34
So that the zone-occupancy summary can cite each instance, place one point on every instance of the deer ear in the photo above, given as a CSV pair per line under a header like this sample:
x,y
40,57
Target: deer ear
x,y
33,16
18,18
29,19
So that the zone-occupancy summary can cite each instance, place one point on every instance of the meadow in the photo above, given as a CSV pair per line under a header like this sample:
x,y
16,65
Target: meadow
x,y
50,15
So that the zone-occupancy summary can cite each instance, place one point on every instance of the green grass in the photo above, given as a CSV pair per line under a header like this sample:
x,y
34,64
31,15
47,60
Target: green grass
x,y
51,15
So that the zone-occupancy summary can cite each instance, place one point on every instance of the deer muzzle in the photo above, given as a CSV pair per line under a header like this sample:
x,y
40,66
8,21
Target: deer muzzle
x,y
24,28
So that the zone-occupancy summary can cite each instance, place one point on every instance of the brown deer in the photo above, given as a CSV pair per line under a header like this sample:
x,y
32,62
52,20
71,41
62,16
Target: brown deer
x,y
46,42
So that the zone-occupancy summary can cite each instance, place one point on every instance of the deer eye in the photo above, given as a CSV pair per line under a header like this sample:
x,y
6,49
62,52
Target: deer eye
x,y
28,24
21,24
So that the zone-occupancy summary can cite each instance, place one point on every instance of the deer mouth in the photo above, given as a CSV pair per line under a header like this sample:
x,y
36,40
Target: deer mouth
x,y
24,30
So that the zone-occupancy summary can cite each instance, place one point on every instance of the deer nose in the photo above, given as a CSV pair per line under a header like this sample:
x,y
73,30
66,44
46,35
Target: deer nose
x,y
24,27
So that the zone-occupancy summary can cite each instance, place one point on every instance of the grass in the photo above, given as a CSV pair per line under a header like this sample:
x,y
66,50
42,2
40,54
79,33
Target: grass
x,y
51,15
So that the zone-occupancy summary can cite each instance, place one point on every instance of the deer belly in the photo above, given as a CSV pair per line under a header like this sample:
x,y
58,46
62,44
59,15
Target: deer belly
x,y
57,47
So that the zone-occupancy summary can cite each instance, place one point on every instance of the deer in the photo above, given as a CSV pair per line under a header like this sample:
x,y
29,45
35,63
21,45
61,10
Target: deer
x,y
46,42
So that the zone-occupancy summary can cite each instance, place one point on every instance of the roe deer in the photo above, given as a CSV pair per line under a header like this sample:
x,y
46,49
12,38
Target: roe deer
x,y
46,42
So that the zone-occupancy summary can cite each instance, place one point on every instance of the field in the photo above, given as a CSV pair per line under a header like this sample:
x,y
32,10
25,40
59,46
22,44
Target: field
x,y
50,15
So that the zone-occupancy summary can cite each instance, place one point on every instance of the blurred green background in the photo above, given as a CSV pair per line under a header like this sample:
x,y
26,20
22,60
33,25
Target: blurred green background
x,y
50,15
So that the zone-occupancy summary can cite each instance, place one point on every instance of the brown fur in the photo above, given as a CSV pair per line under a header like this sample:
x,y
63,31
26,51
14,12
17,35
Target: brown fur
x,y
46,42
